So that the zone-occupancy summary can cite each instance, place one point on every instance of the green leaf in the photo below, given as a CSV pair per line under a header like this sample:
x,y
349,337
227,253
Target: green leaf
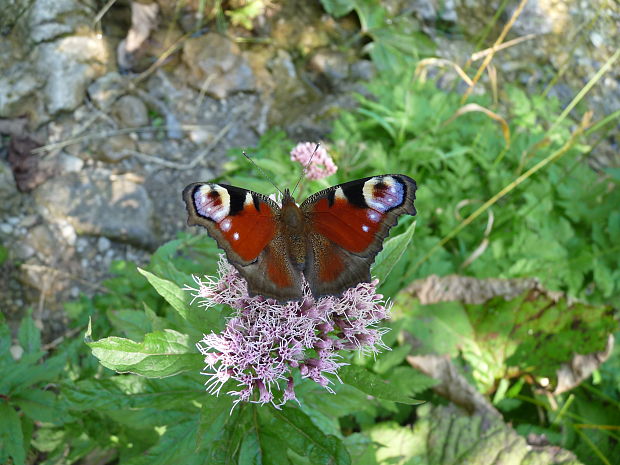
x,y
374,385
4,254
215,414
393,250
533,332
174,295
389,359
177,445
131,392
293,429
11,435
40,405
163,353
440,328
131,322
411,381
338,8
27,373
29,335
5,339
391,443
250,451
223,430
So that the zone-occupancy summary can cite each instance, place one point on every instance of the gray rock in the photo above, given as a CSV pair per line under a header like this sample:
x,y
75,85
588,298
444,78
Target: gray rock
x,y
70,64
22,251
103,244
67,231
42,240
331,64
28,221
81,244
106,90
363,70
17,86
95,203
425,9
8,188
68,163
217,66
50,19
114,149
131,111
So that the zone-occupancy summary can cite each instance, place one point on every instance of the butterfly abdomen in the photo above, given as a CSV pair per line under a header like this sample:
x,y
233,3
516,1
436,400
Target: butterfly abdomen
x,y
294,232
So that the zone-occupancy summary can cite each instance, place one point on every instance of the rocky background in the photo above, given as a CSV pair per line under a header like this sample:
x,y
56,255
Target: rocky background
x,y
94,156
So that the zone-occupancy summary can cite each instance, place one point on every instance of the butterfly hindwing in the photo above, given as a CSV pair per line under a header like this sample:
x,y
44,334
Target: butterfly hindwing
x,y
245,225
348,224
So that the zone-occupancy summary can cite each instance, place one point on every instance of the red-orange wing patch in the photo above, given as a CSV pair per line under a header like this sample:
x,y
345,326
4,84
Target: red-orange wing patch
x,y
351,227
348,224
242,222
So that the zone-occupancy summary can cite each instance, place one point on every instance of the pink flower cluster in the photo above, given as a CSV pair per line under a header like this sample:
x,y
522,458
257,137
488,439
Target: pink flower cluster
x,y
321,165
264,341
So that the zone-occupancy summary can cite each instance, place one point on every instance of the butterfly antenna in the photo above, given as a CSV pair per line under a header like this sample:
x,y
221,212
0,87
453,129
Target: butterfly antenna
x,y
263,173
303,173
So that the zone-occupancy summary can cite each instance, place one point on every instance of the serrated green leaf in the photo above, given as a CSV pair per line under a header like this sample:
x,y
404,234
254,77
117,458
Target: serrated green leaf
x,y
391,358
393,250
250,451
293,429
132,392
163,353
174,295
324,409
221,439
177,445
357,444
40,405
374,385
410,381
27,373
29,335
11,435
215,414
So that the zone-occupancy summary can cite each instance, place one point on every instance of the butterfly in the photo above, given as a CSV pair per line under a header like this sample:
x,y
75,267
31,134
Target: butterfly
x,y
331,239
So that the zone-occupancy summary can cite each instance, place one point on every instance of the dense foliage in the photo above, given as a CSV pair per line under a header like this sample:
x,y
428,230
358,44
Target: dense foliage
x,y
558,221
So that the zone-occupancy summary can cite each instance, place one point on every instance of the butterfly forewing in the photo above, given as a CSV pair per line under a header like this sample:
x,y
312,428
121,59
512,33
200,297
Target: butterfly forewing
x,y
245,225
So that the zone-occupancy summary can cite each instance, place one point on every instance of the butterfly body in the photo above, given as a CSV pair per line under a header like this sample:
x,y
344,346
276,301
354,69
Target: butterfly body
x,y
331,239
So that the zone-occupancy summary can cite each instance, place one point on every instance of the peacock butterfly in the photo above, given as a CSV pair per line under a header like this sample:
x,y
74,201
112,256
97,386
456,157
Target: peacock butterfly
x,y
332,238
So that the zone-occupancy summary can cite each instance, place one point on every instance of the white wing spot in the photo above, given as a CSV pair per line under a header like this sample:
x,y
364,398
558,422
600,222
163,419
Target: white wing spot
x,y
364,228
225,225
373,216
236,236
